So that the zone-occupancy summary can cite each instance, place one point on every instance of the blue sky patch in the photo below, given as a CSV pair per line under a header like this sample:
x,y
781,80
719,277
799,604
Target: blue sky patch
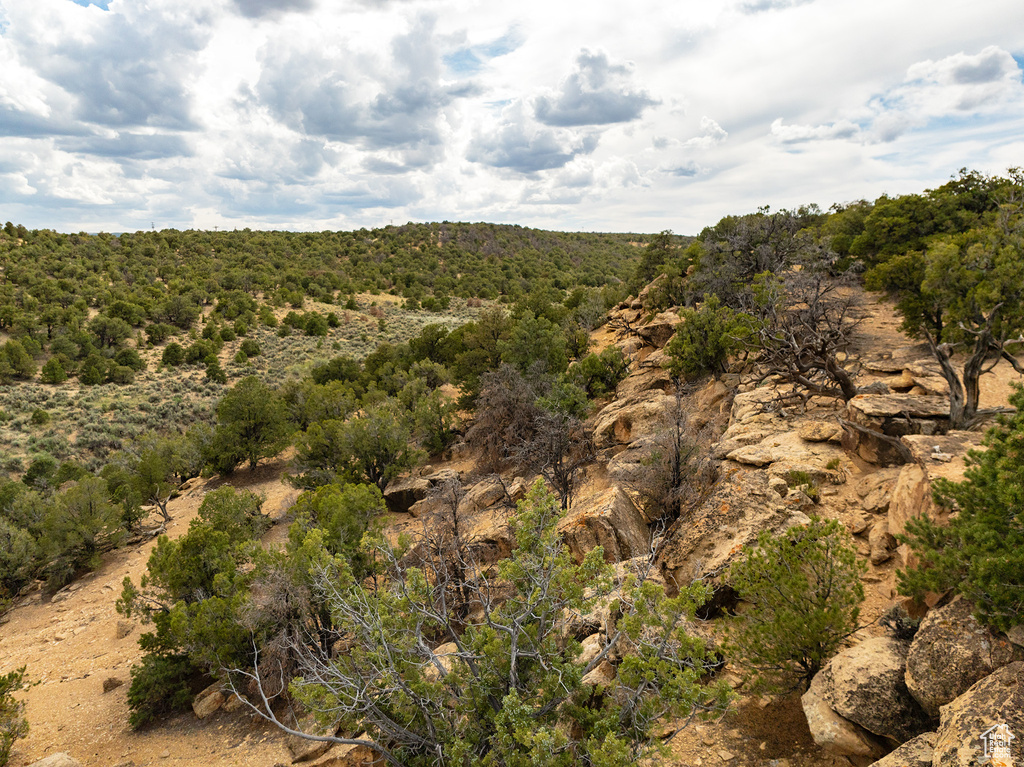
x,y
104,4
468,61
463,61
504,45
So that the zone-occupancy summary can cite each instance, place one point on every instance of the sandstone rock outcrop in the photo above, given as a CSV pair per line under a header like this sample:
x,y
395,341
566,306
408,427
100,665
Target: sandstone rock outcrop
x,y
875,490
625,420
820,431
351,755
649,376
486,493
741,505
865,684
609,519
914,753
882,542
950,652
912,494
660,329
209,701
898,359
998,699
304,749
403,492
894,416
835,733
601,676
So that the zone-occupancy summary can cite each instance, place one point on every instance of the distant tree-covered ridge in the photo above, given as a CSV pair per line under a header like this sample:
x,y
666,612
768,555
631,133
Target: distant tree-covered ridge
x,y
163,276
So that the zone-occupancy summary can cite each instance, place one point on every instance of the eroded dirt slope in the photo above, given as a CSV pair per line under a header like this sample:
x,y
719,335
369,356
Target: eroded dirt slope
x,y
71,644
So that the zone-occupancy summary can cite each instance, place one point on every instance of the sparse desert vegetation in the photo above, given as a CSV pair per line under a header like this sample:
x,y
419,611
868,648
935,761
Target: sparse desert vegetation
x,y
489,543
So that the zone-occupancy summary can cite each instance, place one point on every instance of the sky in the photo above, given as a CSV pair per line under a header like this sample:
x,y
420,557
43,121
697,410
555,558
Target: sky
x,y
119,115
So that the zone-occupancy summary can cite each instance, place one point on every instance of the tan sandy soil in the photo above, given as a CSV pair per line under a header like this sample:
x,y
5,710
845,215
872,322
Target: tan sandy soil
x,y
70,646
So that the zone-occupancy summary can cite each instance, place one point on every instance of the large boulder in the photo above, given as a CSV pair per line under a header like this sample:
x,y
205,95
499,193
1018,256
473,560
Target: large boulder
x,y
875,490
625,420
488,535
820,431
647,377
660,329
486,493
741,505
835,733
898,359
304,749
352,755
934,457
786,452
402,493
608,519
881,541
950,652
752,455
210,700
914,753
892,416
997,701
865,684
756,402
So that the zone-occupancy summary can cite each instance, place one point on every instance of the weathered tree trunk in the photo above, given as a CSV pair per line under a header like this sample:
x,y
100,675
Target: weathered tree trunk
x,y
957,398
964,388
842,378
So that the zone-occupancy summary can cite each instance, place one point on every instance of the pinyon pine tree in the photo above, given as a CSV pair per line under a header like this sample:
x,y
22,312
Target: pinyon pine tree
x,y
981,552
804,593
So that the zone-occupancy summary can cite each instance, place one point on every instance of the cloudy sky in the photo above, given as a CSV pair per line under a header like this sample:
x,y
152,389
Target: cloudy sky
x,y
611,116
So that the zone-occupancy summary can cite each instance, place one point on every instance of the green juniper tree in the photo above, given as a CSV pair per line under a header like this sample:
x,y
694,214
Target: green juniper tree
x,y
980,554
426,685
804,592
13,724
965,291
